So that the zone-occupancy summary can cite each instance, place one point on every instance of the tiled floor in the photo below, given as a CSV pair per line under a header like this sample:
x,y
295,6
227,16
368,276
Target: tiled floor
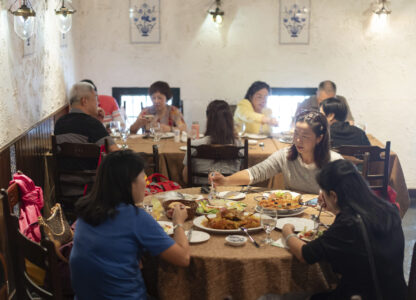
x,y
409,229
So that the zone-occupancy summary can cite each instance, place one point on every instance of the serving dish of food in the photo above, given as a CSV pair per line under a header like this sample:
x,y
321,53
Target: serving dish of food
x,y
228,221
286,203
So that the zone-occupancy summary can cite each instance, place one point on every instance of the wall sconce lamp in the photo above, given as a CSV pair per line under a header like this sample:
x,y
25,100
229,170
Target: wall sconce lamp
x,y
217,13
64,17
382,8
24,20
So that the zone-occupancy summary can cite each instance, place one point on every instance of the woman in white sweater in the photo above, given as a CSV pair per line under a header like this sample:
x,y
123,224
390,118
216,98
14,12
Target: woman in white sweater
x,y
299,163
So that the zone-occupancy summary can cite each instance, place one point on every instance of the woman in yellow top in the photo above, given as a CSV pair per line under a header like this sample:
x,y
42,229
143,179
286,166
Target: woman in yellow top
x,y
252,110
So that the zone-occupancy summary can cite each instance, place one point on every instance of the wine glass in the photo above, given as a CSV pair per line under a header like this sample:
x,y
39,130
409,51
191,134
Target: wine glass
x,y
241,130
268,220
114,127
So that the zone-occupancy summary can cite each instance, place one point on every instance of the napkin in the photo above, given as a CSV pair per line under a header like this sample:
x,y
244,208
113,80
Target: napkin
x,y
278,243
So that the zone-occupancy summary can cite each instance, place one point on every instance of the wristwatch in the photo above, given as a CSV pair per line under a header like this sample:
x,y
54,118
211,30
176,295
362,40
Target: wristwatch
x,y
176,226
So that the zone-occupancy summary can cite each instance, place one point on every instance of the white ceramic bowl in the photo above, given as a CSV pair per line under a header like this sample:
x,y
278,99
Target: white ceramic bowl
x,y
236,240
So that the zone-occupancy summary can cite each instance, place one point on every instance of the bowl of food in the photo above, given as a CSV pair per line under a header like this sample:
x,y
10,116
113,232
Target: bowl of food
x,y
190,205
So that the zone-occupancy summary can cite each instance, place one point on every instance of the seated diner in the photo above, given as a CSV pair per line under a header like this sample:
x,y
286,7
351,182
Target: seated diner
x,y
252,110
219,131
299,163
358,212
168,116
342,132
113,232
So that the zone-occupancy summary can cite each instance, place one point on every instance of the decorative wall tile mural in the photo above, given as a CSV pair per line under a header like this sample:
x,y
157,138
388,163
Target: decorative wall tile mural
x,y
145,21
294,21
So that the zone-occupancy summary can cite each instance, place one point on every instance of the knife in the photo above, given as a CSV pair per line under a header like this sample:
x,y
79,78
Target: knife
x,y
249,236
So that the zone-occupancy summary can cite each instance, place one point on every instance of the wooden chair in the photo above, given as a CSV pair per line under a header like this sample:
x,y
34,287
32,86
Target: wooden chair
x,y
378,180
4,280
411,291
152,160
81,151
214,152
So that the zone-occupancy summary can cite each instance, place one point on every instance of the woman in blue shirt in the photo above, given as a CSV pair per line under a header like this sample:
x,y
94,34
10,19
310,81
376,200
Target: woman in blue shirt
x,y
112,233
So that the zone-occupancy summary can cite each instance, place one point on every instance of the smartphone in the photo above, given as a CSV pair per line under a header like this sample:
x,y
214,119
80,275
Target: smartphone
x,y
312,202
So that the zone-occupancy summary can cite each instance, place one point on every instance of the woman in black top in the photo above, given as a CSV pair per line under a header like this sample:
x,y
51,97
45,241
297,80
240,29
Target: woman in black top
x,y
346,194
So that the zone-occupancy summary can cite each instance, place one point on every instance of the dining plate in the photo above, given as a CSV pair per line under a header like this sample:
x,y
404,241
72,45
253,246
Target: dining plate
x,y
301,224
255,136
198,223
286,140
286,212
252,142
167,226
198,236
231,195
183,148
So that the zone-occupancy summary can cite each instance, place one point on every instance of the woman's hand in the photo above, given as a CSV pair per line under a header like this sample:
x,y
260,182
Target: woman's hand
x,y
179,214
287,229
217,178
321,200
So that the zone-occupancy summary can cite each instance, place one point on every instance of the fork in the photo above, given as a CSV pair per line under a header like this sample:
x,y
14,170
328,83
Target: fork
x,y
189,236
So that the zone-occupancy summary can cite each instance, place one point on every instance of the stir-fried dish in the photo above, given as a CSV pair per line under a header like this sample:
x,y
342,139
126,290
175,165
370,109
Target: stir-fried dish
x,y
231,219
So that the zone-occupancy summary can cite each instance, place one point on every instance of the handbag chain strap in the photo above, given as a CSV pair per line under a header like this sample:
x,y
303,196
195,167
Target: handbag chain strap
x,y
55,209
370,257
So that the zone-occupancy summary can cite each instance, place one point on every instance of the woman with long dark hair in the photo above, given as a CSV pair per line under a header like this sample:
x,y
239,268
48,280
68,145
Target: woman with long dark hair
x,y
252,110
219,131
347,195
299,164
112,233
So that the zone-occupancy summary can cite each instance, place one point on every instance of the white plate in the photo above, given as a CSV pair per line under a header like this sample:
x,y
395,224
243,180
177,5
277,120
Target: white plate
x,y
255,136
198,223
163,224
286,140
252,142
233,196
167,135
293,213
198,236
299,223
183,148
201,135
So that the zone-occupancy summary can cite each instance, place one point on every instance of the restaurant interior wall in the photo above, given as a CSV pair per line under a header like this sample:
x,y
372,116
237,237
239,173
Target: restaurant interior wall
x,y
373,70
33,86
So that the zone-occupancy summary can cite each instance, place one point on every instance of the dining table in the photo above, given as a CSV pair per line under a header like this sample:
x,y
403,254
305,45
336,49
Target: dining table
x,y
171,156
220,271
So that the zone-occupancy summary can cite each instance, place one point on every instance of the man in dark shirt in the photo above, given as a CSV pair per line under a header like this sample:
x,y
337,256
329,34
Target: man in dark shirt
x,y
326,89
81,126
342,133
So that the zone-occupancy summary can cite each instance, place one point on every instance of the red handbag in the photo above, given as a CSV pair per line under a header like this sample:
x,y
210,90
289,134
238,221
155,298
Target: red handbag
x,y
158,183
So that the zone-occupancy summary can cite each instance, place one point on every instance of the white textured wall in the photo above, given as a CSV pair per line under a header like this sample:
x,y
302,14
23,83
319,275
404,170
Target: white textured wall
x,y
34,86
376,73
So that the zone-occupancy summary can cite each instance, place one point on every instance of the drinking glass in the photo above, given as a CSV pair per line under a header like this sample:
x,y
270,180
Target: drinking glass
x,y
241,130
115,128
268,220
156,131
124,133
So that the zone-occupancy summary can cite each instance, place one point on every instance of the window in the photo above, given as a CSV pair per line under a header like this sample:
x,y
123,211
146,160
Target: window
x,y
133,100
284,102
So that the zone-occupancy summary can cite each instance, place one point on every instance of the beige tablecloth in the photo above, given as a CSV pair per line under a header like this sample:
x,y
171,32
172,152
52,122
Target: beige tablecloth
x,y
217,270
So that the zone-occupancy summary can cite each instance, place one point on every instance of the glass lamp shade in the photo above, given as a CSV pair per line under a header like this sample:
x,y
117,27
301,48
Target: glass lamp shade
x,y
64,22
24,26
217,19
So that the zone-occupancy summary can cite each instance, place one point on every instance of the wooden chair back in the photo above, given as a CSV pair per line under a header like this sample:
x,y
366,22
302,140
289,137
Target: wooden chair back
x,y
378,180
4,279
72,151
216,153
152,160
411,292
